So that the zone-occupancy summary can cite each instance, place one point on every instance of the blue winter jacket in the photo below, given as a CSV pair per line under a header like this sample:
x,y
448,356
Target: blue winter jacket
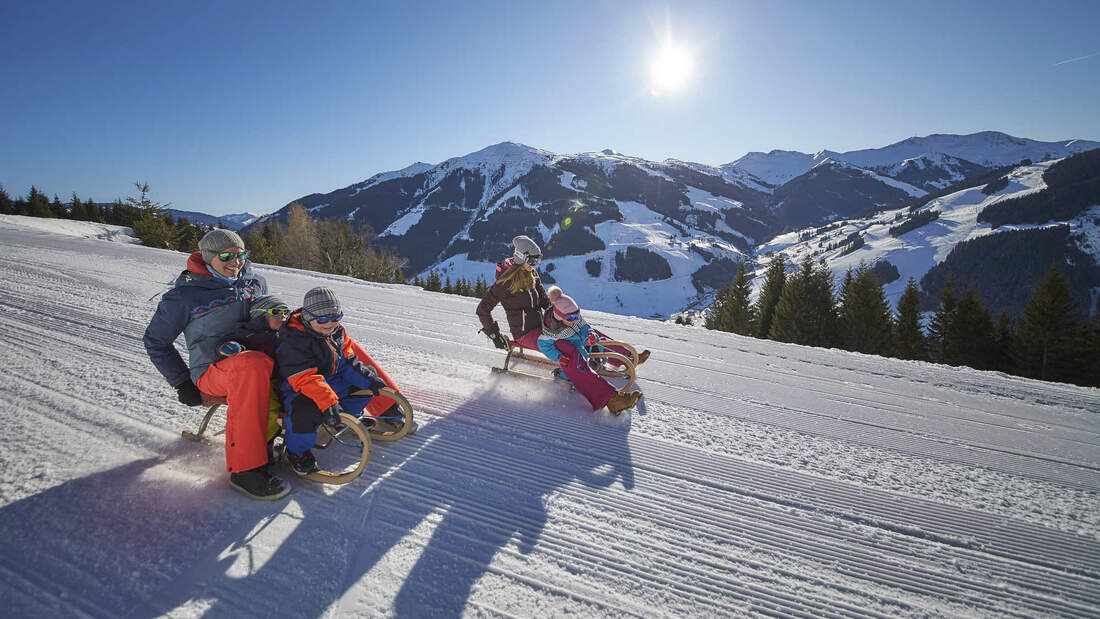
x,y
554,330
206,309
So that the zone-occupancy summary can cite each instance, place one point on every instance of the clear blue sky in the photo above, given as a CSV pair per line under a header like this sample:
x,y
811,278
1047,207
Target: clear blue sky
x,y
232,106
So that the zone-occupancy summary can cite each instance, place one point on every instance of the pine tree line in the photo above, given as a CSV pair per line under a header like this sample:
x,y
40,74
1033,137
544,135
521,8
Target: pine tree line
x,y
150,221
325,245
1049,341
433,283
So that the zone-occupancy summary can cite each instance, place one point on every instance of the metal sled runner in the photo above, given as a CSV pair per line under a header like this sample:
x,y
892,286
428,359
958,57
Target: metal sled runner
x,y
602,361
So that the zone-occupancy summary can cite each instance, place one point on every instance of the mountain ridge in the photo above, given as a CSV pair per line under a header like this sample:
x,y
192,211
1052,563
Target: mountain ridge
x,y
458,217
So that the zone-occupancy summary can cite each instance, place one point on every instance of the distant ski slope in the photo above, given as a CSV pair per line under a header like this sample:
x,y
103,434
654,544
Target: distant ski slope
x,y
754,477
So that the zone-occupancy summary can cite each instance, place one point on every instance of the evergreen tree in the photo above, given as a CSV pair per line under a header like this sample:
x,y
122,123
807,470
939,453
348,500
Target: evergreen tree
x,y
77,210
481,287
1001,353
433,282
447,286
1090,362
260,249
731,310
972,332
864,314
37,204
152,223
58,209
939,330
1046,332
909,341
806,312
186,237
774,280
6,205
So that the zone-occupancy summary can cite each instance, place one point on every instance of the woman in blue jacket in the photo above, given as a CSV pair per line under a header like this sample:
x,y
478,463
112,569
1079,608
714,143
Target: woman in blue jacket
x,y
208,302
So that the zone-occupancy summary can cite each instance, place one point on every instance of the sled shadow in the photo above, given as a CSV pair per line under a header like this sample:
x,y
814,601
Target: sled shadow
x,y
434,512
104,543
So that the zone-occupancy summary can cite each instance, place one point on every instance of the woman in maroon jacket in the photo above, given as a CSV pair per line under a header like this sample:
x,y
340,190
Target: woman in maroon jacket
x,y
519,291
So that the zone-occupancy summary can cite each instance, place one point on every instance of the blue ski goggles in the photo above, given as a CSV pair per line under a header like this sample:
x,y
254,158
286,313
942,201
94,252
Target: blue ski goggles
x,y
324,320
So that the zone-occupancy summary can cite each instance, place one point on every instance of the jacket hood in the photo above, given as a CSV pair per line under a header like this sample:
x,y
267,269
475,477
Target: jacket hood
x,y
196,265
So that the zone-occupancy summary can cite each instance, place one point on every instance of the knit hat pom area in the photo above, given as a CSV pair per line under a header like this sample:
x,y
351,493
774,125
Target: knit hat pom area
x,y
320,301
563,303
217,241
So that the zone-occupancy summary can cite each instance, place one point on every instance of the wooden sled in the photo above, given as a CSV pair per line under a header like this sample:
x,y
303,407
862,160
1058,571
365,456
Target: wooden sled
x,y
406,413
342,452
609,364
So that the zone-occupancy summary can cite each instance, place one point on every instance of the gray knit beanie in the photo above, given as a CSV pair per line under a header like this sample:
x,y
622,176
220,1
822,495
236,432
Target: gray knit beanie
x,y
217,241
319,302
525,247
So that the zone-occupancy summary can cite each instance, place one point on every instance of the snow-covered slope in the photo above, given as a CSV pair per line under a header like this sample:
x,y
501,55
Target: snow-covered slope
x,y
915,252
754,477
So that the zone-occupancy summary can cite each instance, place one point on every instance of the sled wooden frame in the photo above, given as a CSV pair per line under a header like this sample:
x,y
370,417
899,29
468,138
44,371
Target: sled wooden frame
x,y
628,371
351,430
402,403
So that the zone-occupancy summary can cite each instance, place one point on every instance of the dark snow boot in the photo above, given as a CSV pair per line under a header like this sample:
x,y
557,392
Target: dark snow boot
x,y
303,464
258,483
642,357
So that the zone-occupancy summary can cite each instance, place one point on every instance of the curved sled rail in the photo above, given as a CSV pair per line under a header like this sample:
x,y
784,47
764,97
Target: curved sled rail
x,y
402,403
515,351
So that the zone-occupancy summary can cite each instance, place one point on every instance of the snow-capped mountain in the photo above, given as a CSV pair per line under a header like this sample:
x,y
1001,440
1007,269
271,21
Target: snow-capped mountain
x,y
585,210
927,241
235,221
988,149
692,220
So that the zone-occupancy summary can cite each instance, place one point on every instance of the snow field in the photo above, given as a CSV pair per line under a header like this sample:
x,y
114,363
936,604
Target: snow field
x,y
754,477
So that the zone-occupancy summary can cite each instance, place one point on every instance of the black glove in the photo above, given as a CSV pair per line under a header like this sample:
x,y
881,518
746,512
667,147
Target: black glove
x,y
189,394
377,384
493,331
331,415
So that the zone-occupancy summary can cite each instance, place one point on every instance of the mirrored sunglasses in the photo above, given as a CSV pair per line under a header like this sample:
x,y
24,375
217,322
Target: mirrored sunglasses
x,y
324,320
572,317
226,256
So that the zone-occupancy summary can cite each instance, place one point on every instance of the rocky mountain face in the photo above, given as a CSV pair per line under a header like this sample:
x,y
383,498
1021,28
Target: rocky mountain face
x,y
458,217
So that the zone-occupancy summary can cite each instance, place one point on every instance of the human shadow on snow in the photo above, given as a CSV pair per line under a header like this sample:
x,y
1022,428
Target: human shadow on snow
x,y
434,509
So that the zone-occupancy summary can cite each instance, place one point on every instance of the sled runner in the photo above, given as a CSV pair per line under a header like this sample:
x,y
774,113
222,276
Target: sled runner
x,y
602,361
342,452
406,415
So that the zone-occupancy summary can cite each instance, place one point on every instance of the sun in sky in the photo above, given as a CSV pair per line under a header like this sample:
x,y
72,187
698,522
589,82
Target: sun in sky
x,y
670,67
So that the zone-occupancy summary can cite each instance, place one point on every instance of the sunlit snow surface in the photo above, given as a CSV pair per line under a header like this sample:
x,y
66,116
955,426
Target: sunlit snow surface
x,y
754,477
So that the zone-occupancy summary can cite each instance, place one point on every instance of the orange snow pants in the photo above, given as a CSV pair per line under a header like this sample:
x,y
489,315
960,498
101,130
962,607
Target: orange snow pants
x,y
377,404
244,380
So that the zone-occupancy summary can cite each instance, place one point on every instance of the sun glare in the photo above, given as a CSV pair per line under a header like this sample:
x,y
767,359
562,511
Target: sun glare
x,y
670,69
